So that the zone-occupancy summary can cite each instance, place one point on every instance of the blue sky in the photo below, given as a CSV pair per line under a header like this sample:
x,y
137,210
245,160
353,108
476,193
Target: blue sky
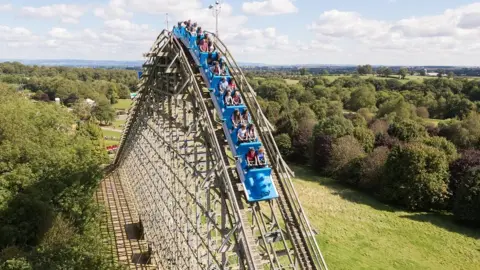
x,y
387,32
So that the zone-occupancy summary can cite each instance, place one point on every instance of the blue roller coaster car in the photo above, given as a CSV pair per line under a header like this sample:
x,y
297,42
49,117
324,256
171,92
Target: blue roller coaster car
x,y
256,180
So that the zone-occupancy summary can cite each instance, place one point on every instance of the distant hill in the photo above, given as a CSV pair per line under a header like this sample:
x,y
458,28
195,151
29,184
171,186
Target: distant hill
x,y
93,63
78,63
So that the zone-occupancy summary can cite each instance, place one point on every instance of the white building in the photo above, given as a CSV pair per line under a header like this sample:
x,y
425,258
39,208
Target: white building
x,y
432,74
90,102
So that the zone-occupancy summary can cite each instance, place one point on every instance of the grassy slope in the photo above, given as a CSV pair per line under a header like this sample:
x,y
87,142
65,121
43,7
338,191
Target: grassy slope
x,y
111,133
358,232
123,104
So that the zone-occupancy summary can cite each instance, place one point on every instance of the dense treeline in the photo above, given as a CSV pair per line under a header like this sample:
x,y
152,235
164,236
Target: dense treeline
x,y
49,170
72,86
376,135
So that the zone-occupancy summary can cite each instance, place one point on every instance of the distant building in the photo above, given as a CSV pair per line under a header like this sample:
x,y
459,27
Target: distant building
x,y
57,100
90,102
432,74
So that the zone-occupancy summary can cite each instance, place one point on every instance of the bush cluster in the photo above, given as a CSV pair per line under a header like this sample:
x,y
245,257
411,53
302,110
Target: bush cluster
x,y
375,134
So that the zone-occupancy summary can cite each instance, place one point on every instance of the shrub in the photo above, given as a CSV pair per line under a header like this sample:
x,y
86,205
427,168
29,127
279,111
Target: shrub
x,y
336,126
416,176
284,144
372,168
357,120
365,137
444,145
386,140
379,126
432,130
459,168
366,114
422,112
466,206
301,140
344,150
407,130
321,151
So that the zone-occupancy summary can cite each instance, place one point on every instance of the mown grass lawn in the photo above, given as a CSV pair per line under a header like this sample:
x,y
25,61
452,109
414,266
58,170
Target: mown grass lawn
x,y
123,104
118,124
110,133
110,143
358,232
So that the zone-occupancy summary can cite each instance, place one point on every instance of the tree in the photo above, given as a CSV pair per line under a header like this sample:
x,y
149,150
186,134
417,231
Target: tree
x,y
112,93
52,174
416,176
396,108
284,144
466,205
365,137
82,109
451,75
104,112
372,169
440,73
335,126
422,112
364,70
274,90
303,71
459,168
301,140
403,72
444,145
384,71
345,151
362,97
407,130
321,150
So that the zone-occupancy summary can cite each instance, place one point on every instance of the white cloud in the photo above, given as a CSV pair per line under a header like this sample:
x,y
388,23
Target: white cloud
x,y
6,7
15,34
227,21
66,13
115,9
449,33
60,33
161,6
269,7
125,25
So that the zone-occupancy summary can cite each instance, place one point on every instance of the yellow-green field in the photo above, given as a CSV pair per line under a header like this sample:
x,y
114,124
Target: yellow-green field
x,y
123,104
289,81
331,78
111,133
118,124
358,232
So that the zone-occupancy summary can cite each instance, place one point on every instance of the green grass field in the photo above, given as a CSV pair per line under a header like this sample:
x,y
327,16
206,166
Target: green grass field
x,y
290,81
110,133
118,124
110,143
123,104
358,232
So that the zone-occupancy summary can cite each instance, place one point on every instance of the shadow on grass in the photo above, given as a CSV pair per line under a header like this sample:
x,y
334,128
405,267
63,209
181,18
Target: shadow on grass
x,y
347,193
445,221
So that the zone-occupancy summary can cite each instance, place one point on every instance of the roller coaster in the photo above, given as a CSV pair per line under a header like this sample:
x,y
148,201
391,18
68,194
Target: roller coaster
x,y
201,204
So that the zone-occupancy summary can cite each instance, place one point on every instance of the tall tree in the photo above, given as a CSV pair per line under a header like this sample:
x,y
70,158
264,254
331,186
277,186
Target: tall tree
x,y
403,72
